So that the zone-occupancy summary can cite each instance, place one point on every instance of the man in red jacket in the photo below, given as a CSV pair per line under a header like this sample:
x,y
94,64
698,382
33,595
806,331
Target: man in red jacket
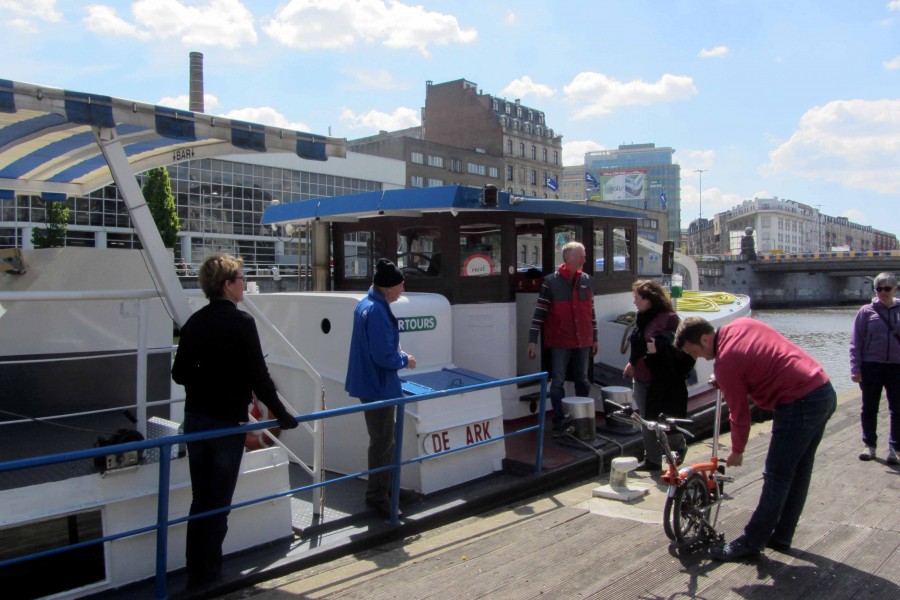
x,y
754,360
565,313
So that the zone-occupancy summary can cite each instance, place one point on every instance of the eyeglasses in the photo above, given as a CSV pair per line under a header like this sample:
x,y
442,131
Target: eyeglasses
x,y
237,277
884,289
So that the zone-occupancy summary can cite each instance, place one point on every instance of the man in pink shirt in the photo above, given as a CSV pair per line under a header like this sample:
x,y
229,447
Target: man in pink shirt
x,y
753,360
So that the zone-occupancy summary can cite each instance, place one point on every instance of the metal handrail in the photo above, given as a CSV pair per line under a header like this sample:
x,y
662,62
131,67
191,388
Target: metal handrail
x,y
165,445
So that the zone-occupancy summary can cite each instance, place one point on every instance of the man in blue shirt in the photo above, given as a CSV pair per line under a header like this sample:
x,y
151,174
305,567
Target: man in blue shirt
x,y
375,358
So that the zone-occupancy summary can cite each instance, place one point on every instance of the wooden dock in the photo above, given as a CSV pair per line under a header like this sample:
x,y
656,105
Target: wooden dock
x,y
567,544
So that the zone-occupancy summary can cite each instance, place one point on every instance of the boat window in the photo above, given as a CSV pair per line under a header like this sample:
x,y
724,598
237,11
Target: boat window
x,y
419,251
599,250
359,254
529,241
621,249
562,235
479,250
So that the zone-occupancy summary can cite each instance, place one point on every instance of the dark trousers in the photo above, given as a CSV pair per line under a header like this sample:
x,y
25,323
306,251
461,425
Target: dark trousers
x,y
561,361
215,465
875,377
797,429
380,425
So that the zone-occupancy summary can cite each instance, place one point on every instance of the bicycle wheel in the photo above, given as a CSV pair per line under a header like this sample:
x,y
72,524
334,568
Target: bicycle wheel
x,y
691,510
667,517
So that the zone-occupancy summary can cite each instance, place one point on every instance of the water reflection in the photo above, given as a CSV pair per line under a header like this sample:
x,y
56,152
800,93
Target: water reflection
x,y
823,332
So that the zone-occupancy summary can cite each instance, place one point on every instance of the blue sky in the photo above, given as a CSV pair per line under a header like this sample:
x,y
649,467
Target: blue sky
x,y
798,99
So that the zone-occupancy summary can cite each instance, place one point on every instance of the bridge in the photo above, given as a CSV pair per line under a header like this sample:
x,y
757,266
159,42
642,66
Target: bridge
x,y
813,279
832,264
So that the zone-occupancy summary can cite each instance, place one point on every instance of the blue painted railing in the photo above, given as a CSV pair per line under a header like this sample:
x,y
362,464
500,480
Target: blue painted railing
x,y
165,445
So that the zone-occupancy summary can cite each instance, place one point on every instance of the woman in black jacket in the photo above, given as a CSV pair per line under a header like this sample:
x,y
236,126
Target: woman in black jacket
x,y
659,368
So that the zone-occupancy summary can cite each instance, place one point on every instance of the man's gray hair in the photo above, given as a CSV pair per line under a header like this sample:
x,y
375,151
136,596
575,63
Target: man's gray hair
x,y
569,247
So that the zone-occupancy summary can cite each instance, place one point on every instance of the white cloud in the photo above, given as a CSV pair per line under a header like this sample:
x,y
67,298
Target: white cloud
x,y
894,5
374,119
265,115
852,142
714,200
44,10
690,160
713,52
225,23
374,80
310,24
894,63
573,152
599,94
210,102
511,19
23,25
524,86
855,215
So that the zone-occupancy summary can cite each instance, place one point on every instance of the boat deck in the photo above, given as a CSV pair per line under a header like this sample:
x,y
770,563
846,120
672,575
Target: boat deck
x,y
527,536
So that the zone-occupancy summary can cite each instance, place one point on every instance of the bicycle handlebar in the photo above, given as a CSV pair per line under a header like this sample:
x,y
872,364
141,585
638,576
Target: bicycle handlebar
x,y
663,424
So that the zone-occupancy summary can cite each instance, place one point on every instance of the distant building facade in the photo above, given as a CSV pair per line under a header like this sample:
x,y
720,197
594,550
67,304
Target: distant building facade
x,y
782,226
457,114
431,164
573,185
637,176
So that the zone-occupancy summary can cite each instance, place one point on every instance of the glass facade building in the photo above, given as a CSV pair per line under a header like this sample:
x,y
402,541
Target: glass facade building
x,y
220,203
638,176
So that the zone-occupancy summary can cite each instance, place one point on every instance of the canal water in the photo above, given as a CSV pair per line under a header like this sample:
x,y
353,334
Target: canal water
x,y
823,332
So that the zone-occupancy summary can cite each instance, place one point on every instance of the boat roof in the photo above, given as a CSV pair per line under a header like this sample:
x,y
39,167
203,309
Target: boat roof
x,y
49,139
418,201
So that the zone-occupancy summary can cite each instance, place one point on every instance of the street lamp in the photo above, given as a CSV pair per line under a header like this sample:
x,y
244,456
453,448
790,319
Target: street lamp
x,y
701,172
700,218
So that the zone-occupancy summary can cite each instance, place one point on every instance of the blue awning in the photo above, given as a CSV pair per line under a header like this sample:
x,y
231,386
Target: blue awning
x,y
48,143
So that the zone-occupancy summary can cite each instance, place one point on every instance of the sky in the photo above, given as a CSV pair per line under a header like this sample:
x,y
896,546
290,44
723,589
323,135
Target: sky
x,y
794,99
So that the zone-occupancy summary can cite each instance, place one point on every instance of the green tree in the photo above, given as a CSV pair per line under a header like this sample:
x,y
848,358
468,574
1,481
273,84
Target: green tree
x,y
54,236
158,194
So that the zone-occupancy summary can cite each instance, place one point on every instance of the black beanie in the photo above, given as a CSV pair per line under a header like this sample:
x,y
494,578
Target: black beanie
x,y
387,274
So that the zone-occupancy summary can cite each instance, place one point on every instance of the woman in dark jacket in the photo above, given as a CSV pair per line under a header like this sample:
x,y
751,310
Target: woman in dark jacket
x,y
659,368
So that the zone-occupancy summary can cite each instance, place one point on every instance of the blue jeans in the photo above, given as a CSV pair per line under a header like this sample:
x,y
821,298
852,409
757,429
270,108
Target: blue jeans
x,y
876,376
797,429
215,465
561,359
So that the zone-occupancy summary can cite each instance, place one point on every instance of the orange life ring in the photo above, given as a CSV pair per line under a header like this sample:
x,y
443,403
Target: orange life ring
x,y
257,440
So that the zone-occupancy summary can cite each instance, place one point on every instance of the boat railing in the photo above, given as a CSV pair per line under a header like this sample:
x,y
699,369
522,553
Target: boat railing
x,y
166,444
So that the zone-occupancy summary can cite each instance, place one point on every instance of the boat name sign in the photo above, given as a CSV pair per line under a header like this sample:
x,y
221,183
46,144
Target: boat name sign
x,y
460,436
424,323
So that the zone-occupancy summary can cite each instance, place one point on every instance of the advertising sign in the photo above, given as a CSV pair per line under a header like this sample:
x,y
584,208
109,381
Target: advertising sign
x,y
623,185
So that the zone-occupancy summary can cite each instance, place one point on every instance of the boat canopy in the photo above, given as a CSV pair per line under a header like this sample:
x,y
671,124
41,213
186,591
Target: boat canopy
x,y
416,201
49,146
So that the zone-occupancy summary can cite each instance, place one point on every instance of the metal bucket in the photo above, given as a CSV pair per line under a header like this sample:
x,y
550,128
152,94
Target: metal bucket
x,y
621,395
581,410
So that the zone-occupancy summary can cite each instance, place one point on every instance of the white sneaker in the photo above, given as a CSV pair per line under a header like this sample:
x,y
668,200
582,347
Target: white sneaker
x,y
892,457
868,453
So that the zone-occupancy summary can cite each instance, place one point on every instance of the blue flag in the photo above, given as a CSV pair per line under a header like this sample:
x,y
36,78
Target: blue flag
x,y
551,183
662,200
588,178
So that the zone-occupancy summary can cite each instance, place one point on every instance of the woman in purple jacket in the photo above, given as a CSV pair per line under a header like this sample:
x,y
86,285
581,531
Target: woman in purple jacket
x,y
875,363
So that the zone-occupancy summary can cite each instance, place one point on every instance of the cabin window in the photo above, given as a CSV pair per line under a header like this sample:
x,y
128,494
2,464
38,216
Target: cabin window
x,y
419,251
360,254
562,235
622,249
479,250
599,249
529,241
